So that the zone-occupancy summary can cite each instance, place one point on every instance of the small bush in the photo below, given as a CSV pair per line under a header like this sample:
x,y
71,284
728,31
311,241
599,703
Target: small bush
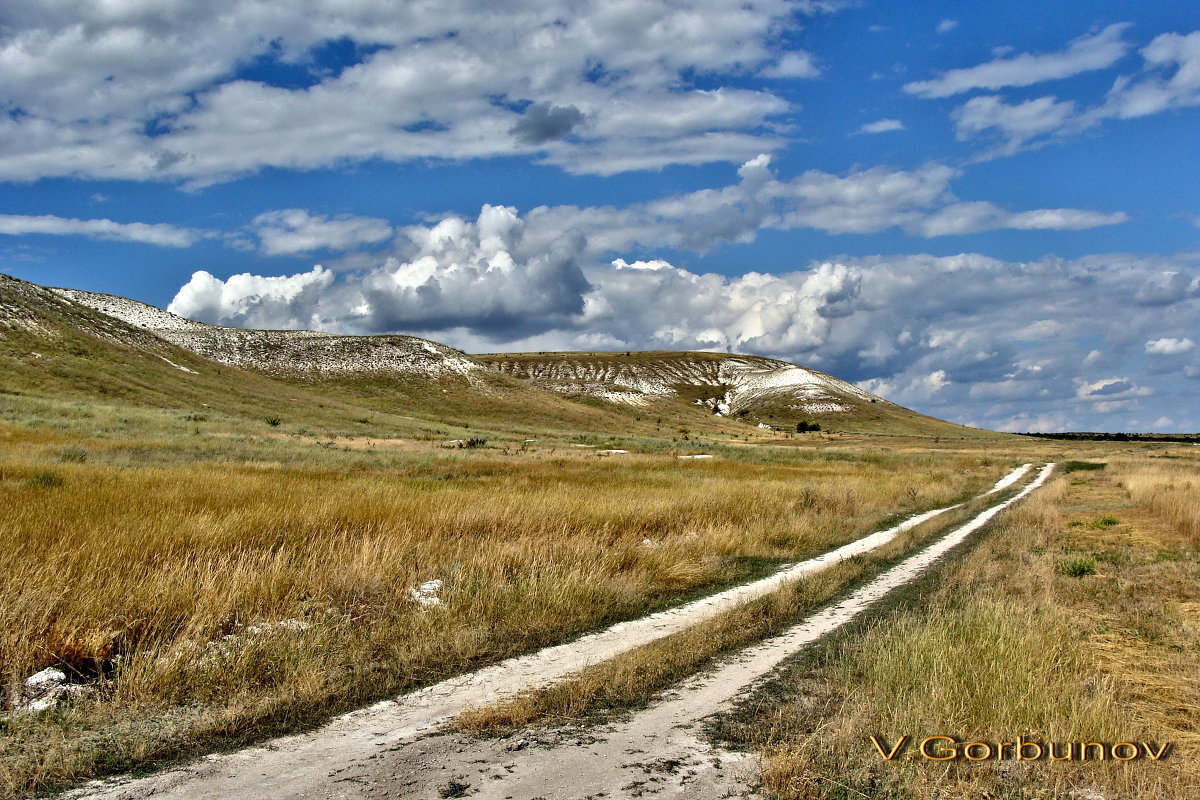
x,y
73,453
1083,466
192,416
455,788
474,442
274,421
1078,566
1104,522
805,427
44,480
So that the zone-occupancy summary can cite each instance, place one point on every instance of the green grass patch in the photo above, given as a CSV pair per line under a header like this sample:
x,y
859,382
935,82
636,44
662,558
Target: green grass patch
x,y
1078,566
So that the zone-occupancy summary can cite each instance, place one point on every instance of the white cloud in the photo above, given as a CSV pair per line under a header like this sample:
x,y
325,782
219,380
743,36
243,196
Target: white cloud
x,y
1152,92
152,92
882,126
1169,79
947,25
1169,347
1062,219
146,233
793,64
254,301
486,275
918,201
1087,53
1014,124
293,230
1109,390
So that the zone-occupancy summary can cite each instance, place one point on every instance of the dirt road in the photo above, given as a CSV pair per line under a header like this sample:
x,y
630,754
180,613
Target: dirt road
x,y
377,753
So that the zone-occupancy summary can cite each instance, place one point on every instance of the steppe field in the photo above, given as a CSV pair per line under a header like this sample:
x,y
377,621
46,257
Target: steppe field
x,y
207,582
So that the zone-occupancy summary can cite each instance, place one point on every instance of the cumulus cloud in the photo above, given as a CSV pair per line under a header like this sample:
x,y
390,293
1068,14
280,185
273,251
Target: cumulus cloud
x,y
969,337
882,126
963,218
793,64
1085,54
1168,346
254,301
1013,124
484,275
160,92
146,233
291,231
1153,91
1164,288
947,25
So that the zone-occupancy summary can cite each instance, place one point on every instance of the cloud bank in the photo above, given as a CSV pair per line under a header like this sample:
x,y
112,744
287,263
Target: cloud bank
x,y
952,336
174,91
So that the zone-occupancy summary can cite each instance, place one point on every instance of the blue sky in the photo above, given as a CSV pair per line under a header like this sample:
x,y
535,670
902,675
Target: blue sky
x,y
992,217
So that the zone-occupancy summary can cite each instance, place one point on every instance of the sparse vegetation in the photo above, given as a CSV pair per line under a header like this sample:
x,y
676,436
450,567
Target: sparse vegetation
x,y
44,479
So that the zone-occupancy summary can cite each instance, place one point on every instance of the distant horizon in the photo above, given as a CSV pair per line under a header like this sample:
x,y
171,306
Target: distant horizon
x,y
992,218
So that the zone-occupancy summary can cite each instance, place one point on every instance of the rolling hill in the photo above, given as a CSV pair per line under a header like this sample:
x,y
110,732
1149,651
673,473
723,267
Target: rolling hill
x,y
66,342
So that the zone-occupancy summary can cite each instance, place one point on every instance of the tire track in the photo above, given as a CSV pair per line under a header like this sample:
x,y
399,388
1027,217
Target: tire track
x,y
303,765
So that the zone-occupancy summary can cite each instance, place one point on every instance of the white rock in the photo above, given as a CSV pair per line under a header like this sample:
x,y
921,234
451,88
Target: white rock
x,y
426,595
294,624
45,682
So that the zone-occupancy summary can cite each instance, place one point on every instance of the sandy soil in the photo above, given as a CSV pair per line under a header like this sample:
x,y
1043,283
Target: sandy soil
x,y
377,752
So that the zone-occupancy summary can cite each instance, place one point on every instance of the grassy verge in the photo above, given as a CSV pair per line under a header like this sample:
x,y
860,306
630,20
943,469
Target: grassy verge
x,y
1011,641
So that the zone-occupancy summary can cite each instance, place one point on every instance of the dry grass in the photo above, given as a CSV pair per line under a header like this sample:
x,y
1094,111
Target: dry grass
x,y
632,679
1170,489
164,586
1005,644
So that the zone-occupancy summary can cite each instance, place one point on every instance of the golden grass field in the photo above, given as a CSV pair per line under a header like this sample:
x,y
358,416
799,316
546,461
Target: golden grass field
x,y
217,588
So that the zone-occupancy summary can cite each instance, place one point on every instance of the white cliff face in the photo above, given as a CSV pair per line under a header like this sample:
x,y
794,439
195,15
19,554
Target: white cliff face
x,y
737,382
293,352
726,384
